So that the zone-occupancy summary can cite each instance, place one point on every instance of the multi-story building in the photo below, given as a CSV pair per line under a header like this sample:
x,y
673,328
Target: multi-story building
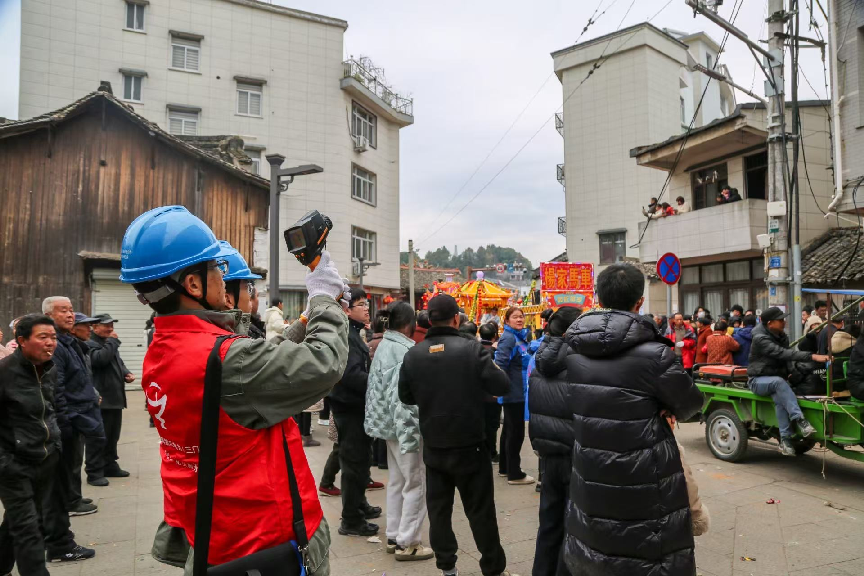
x,y
639,104
270,74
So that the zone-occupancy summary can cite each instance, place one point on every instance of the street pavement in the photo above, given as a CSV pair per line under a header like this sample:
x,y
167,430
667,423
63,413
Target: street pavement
x,y
815,528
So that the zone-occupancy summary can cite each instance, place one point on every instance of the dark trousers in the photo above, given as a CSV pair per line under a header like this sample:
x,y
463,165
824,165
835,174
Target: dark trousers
x,y
331,468
512,438
32,507
470,471
112,419
68,483
354,452
324,414
554,493
89,425
304,422
379,453
492,418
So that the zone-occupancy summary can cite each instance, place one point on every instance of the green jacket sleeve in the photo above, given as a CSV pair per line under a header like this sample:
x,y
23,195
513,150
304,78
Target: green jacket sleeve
x,y
264,383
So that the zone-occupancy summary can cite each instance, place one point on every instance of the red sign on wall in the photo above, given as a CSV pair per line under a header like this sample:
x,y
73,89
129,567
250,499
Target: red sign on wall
x,y
567,277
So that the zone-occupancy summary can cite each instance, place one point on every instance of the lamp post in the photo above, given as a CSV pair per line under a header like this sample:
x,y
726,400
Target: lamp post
x,y
277,185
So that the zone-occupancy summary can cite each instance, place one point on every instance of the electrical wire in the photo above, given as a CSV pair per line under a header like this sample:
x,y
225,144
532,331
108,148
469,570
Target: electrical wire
x,y
756,63
692,122
603,58
591,21
857,239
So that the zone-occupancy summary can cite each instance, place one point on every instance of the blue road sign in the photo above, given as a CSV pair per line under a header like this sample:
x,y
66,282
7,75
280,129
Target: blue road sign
x,y
669,268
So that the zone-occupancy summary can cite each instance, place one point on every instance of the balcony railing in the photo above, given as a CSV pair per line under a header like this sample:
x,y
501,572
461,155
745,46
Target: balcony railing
x,y
560,174
360,71
559,122
562,226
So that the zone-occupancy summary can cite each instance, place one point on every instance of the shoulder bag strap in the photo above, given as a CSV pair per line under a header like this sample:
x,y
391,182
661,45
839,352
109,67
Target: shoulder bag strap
x,y
207,456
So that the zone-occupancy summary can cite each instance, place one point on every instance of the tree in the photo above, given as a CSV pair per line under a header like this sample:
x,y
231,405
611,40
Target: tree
x,y
403,257
483,257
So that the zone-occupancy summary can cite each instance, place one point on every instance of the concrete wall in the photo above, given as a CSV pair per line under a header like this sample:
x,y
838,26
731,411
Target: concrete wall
x,y
68,46
850,68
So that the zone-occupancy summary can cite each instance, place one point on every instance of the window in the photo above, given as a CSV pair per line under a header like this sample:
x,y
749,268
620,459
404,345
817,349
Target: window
x,y
709,60
756,176
684,113
182,123
718,287
364,123
134,16
248,99
185,53
132,87
255,155
363,244
613,247
707,184
362,185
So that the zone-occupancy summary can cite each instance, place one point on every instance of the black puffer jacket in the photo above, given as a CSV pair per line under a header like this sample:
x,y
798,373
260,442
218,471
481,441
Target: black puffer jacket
x,y
74,380
109,371
551,426
629,513
349,394
770,354
855,370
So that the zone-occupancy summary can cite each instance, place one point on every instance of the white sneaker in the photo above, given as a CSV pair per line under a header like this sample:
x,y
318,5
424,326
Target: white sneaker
x,y
524,481
323,422
416,552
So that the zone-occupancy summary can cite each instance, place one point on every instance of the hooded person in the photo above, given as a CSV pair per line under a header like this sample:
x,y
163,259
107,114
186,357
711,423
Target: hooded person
x,y
177,266
744,338
630,512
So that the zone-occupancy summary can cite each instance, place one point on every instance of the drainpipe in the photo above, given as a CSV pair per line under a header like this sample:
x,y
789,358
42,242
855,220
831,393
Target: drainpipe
x,y
835,108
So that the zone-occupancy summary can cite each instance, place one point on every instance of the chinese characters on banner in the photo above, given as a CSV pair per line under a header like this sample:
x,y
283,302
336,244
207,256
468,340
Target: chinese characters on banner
x,y
567,283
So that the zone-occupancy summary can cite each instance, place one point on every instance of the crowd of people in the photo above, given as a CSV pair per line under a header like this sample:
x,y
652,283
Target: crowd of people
x,y
421,394
656,209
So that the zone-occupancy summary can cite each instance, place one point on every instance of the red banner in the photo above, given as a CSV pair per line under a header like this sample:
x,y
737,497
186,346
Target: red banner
x,y
567,277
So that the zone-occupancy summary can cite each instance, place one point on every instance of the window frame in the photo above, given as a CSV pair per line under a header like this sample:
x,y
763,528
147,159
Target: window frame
x,y
720,183
184,121
137,8
250,90
617,237
134,78
749,169
177,42
373,242
256,160
358,118
753,285
371,184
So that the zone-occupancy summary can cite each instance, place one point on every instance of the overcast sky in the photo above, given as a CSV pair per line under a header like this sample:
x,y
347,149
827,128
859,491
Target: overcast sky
x,y
472,67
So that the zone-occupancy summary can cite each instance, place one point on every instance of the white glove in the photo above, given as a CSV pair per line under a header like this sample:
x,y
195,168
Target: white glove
x,y
325,279
345,300
679,344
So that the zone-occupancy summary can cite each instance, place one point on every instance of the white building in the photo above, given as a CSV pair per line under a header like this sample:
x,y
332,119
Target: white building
x,y
272,75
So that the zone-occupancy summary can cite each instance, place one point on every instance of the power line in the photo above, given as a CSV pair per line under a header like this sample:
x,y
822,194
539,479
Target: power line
x,y
594,68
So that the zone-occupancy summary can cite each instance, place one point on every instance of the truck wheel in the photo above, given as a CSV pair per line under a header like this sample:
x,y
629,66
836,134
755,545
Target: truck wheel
x,y
726,435
803,445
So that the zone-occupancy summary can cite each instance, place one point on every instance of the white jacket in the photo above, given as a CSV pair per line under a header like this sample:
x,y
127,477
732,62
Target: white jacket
x,y
274,322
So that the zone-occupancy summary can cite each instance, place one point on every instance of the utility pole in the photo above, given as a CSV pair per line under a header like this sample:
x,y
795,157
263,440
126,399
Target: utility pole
x,y
411,272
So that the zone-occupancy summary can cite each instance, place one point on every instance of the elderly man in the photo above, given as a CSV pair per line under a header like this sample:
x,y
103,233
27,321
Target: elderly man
x,y
80,416
81,328
110,377
34,516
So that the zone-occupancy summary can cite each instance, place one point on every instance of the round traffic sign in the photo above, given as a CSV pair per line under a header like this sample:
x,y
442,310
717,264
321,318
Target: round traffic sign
x,y
669,268
500,268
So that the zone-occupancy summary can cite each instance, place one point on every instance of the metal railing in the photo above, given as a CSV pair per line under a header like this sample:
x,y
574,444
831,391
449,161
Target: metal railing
x,y
560,174
562,226
353,69
559,122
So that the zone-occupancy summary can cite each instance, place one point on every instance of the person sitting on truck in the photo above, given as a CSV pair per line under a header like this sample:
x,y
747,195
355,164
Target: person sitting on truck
x,y
855,368
768,370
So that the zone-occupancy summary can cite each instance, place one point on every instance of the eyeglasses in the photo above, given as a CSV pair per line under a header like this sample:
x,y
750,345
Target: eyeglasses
x,y
250,288
361,305
220,265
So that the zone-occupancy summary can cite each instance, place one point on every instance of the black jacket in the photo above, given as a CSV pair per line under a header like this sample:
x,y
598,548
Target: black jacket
x,y
770,354
28,424
448,376
855,370
551,426
109,371
629,513
349,394
74,381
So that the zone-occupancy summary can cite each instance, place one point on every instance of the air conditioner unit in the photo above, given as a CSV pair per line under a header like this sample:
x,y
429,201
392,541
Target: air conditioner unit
x,y
355,267
361,144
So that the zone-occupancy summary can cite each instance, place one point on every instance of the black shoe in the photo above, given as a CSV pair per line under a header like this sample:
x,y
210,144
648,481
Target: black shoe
x,y
368,529
83,509
86,500
786,447
77,553
495,458
805,428
538,487
101,481
116,473
372,512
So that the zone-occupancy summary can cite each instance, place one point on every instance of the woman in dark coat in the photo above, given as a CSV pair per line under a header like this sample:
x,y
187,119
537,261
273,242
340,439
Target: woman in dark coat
x,y
512,357
629,511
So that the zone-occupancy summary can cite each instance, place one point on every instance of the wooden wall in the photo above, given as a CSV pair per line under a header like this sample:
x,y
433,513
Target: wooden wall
x,y
78,186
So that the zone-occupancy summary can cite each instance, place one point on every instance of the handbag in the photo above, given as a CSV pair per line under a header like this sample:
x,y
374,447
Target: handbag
x,y
288,559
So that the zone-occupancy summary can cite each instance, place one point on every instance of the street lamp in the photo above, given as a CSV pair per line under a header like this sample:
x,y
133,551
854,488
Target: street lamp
x,y
277,185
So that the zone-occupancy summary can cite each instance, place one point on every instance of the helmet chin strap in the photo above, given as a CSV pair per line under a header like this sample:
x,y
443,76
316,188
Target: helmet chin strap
x,y
202,270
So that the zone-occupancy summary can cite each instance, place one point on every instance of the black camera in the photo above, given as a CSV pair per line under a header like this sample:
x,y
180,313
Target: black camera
x,y
308,237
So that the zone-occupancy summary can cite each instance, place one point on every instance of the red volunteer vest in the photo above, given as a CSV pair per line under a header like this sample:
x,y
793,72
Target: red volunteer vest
x,y
252,501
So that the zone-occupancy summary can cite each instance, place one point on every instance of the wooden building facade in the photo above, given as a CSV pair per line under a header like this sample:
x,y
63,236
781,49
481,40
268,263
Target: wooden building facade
x,y
71,181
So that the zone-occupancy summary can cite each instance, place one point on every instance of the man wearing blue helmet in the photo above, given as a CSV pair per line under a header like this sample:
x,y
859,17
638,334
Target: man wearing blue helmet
x,y
179,268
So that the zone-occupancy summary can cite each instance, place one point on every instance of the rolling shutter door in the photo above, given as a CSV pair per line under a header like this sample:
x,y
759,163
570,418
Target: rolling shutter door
x,y
112,297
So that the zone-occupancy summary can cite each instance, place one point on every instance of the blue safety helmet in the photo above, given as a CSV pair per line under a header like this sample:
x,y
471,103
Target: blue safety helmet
x,y
166,240
238,269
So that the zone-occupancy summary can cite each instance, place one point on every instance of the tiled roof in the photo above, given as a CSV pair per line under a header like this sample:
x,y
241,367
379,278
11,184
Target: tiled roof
x,y
823,260
79,106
